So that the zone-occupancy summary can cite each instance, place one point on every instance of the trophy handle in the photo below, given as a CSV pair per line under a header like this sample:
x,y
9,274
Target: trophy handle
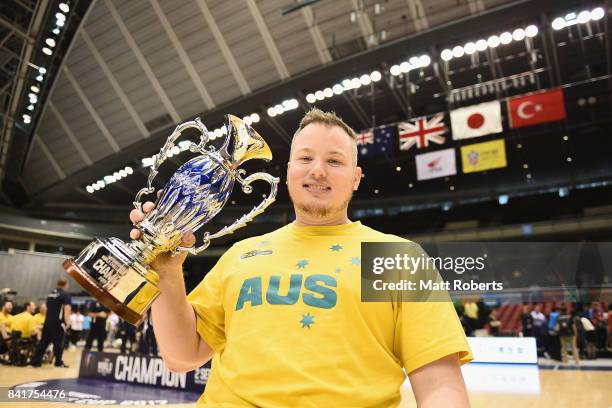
x,y
163,154
246,218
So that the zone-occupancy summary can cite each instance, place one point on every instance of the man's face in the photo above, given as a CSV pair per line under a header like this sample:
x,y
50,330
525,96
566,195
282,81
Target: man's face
x,y
43,308
8,307
321,175
31,307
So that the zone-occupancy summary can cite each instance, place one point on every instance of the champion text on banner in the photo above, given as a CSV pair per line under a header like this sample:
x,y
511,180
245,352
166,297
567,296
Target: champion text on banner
x,y
476,120
436,164
483,156
533,109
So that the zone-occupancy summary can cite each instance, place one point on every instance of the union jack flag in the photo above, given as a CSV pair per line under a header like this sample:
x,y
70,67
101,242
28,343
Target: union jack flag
x,y
421,131
364,138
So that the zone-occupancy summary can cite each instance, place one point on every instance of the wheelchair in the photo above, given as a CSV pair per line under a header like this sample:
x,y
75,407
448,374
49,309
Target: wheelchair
x,y
20,350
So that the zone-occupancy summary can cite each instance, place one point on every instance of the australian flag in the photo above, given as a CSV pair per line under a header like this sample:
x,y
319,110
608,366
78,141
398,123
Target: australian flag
x,y
385,141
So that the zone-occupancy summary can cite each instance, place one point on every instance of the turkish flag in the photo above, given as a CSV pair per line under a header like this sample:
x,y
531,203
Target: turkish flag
x,y
532,109
476,120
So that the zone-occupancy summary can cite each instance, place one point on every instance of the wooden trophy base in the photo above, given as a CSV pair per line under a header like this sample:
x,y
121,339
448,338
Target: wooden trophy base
x,y
101,294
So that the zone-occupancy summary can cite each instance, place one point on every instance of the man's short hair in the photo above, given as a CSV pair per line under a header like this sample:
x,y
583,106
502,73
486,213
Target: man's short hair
x,y
316,115
27,304
61,282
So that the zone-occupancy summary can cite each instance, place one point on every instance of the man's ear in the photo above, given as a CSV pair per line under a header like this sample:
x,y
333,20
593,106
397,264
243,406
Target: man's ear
x,y
357,179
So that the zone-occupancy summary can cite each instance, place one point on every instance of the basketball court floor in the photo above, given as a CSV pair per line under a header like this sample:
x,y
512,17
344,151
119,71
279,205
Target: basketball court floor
x,y
548,385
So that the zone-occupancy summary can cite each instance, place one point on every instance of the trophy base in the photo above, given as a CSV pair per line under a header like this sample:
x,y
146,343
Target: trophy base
x,y
83,279
109,271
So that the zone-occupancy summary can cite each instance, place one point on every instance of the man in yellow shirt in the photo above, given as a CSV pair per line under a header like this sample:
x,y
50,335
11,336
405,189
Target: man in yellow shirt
x,y
23,322
5,313
281,314
41,315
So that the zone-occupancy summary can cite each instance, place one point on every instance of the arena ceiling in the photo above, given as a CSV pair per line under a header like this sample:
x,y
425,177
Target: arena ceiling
x,y
132,70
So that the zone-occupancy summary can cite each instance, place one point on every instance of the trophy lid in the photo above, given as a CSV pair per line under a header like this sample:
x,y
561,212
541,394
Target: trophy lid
x,y
248,144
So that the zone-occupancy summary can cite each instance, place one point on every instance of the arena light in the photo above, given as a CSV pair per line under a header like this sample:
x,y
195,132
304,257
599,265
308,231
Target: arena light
x,y
458,51
597,13
310,98
518,34
183,145
375,76
505,38
582,17
64,7
247,120
364,80
129,170
50,42
89,189
26,118
355,83
493,41
60,23
39,78
446,55
255,117
531,31
319,95
96,187
42,70
35,89
271,112
395,70
328,93
481,45
30,108
469,48
47,51
56,31
337,89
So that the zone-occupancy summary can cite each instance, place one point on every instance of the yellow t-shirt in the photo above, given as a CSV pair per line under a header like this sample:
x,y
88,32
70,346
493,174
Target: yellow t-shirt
x,y
4,317
40,319
471,310
283,314
23,322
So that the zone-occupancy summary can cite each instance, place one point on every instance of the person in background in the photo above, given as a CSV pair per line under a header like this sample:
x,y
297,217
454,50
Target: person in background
x,y
76,327
609,318
589,337
494,324
57,322
86,322
23,322
553,346
99,314
539,328
568,334
5,313
112,324
526,322
41,315
470,311
127,332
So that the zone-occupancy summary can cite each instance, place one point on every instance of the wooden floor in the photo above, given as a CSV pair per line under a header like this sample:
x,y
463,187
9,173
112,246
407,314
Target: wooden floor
x,y
558,389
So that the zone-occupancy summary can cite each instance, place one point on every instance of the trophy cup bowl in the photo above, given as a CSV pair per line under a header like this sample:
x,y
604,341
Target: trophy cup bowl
x,y
118,273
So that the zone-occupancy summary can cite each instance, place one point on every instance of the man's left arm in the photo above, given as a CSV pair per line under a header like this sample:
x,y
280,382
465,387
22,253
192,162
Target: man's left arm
x,y
440,384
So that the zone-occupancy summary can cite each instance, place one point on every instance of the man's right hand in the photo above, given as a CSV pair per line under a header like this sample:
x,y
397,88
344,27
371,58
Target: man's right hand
x,y
166,262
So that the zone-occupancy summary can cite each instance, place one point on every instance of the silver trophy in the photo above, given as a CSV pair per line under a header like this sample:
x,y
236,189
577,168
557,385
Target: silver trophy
x,y
118,273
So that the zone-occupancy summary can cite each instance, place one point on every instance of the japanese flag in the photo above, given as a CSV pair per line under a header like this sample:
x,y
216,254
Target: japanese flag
x,y
476,120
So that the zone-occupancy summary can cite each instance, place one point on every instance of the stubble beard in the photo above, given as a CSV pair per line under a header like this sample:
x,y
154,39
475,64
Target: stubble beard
x,y
320,211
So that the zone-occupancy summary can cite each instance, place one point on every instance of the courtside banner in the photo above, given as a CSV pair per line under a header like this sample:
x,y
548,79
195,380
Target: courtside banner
x,y
506,271
140,369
